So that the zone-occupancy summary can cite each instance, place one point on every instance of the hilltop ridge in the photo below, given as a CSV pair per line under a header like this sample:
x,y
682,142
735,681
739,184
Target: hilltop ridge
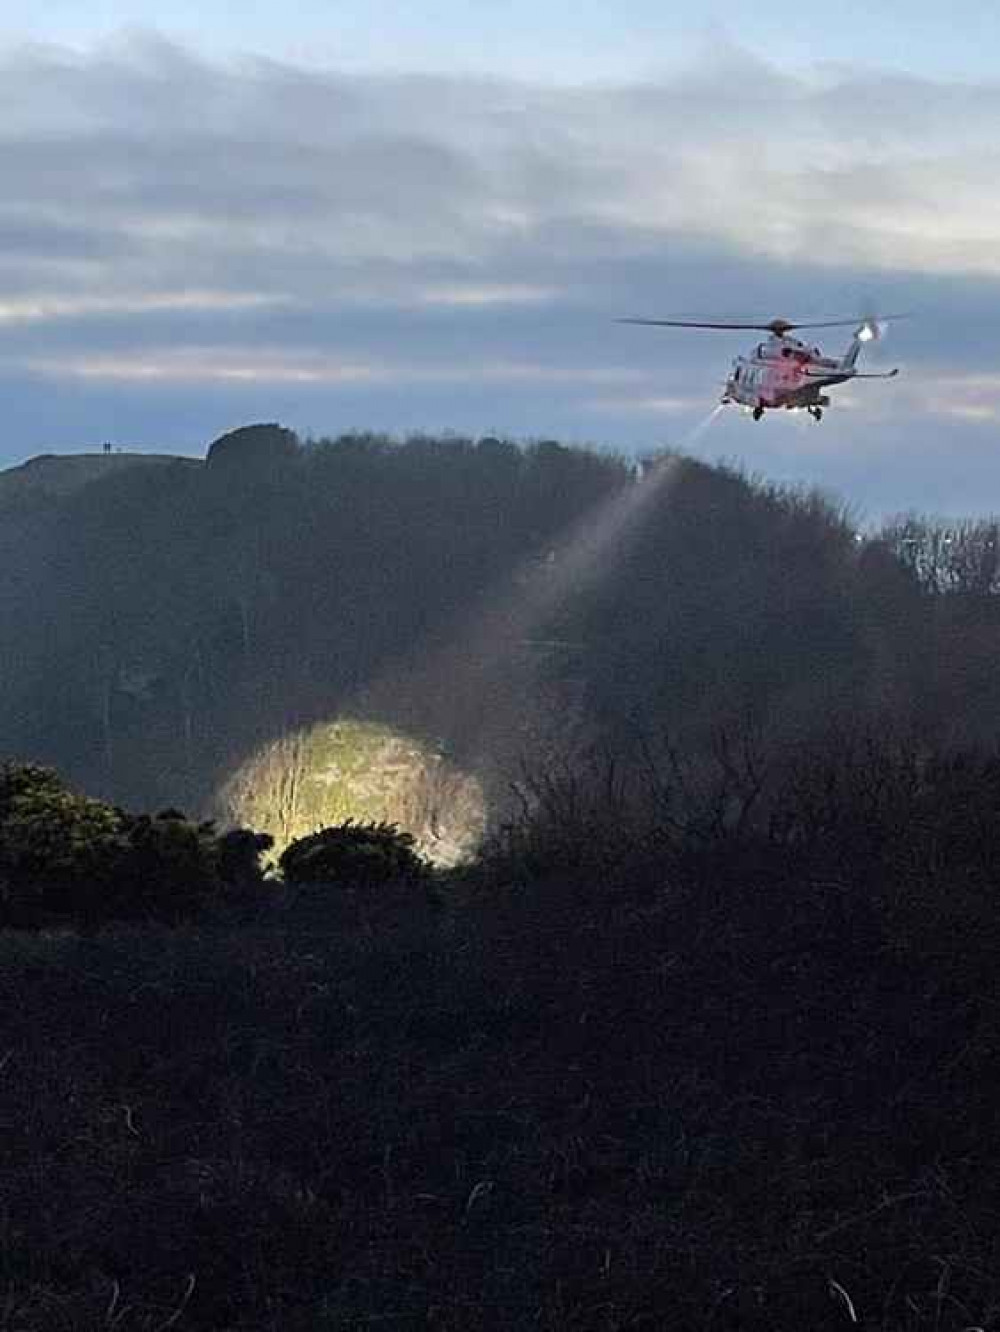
x,y
59,474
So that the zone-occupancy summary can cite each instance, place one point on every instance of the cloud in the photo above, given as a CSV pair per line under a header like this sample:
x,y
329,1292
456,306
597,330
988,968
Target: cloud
x,y
147,143
484,293
53,308
953,395
424,247
654,406
263,365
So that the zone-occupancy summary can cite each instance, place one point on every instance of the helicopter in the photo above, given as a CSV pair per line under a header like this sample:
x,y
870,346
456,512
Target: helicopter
x,y
782,371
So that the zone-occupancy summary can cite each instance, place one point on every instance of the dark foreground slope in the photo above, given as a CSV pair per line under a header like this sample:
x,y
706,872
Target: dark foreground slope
x,y
742,1087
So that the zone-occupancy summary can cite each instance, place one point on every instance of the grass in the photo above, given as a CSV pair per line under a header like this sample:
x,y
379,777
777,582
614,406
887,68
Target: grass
x,y
561,1106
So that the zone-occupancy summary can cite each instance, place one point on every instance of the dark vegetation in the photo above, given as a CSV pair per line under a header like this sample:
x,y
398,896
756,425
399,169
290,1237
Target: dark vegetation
x,y
356,855
66,859
707,1038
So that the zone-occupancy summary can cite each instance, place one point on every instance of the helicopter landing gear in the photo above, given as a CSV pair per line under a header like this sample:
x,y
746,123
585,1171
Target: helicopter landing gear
x,y
758,412
816,413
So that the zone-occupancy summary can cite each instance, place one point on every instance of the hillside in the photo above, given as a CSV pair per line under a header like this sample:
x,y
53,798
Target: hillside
x,y
54,476
164,623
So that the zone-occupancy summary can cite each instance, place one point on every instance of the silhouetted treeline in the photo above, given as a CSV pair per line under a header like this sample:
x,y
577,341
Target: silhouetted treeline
x,y
158,623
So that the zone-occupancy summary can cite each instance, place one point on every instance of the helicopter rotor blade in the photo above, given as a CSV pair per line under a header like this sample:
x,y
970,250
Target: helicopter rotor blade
x,y
868,320
777,326
689,323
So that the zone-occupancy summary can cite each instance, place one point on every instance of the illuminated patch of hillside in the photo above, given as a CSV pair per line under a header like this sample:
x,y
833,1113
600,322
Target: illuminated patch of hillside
x,y
349,769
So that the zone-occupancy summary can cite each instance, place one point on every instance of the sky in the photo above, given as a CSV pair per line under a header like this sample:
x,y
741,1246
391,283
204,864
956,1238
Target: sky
x,y
408,217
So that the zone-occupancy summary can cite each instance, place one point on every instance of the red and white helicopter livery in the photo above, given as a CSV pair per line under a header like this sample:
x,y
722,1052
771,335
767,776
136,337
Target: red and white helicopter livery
x,y
783,372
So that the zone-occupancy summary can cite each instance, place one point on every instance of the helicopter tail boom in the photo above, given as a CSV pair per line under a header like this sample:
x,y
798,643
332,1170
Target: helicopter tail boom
x,y
861,336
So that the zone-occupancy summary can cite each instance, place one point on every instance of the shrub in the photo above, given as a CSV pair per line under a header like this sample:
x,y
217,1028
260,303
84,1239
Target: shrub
x,y
165,869
354,855
20,781
237,856
67,858
56,848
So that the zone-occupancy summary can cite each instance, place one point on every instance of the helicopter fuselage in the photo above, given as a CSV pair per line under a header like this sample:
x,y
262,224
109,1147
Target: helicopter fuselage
x,y
782,372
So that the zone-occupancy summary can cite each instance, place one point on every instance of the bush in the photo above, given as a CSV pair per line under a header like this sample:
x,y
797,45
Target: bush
x,y
21,781
65,858
353,854
237,857
56,848
165,869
